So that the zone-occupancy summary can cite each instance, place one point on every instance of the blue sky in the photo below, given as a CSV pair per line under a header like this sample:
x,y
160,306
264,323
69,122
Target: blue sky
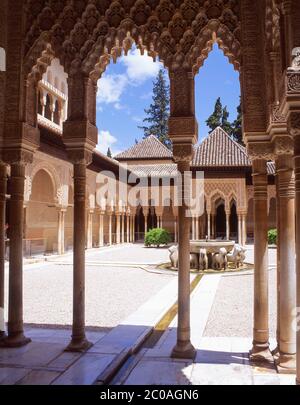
x,y
125,90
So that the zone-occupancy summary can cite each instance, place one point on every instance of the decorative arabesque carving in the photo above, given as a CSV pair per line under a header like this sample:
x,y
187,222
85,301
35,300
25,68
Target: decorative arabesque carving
x,y
180,32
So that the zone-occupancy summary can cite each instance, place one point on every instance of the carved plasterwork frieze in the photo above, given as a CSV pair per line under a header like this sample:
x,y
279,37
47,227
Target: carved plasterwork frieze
x,y
293,82
183,152
294,123
283,145
260,150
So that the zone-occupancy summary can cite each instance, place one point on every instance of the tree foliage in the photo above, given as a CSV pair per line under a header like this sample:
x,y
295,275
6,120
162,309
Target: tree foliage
x,y
109,154
157,115
220,118
157,237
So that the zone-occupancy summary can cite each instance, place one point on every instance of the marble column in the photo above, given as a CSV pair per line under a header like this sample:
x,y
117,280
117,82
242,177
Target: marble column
x,y
146,221
128,228
240,229
16,336
175,230
276,350
296,132
208,226
213,226
110,235
90,229
197,228
260,349
79,342
228,225
133,229
3,184
61,231
244,229
287,334
184,347
123,228
118,228
101,229
193,228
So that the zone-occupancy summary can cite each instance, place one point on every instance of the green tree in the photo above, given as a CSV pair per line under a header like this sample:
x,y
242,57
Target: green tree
x,y
109,154
157,115
237,126
215,120
225,124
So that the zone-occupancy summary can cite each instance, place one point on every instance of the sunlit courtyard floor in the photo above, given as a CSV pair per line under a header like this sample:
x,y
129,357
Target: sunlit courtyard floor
x,y
126,297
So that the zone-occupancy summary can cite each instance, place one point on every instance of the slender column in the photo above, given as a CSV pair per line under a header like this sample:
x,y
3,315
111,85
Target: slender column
x,y
197,227
208,226
260,350
244,229
118,229
128,228
193,228
228,225
110,228
3,183
101,229
123,228
133,228
90,229
79,342
183,348
61,231
240,229
175,230
278,265
146,222
297,210
287,341
16,336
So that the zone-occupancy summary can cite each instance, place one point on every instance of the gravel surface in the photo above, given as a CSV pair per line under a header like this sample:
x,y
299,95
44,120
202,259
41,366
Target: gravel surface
x,y
232,311
112,293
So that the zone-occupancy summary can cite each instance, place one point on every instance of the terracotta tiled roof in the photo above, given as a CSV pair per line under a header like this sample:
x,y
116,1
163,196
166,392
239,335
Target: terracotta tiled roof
x,y
219,150
149,148
161,170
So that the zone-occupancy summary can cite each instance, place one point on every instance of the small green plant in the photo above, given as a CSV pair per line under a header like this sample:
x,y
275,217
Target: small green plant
x,y
157,237
272,236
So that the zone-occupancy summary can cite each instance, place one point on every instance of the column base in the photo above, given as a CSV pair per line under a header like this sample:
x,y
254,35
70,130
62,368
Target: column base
x,y
260,352
15,340
286,363
276,353
78,345
183,350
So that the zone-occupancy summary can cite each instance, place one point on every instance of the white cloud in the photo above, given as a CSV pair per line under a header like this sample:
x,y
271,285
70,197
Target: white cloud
x,y
140,67
106,140
111,88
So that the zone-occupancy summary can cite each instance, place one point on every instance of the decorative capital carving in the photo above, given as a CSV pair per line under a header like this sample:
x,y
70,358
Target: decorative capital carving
x,y
183,152
276,115
283,145
293,82
260,150
294,123
183,129
13,156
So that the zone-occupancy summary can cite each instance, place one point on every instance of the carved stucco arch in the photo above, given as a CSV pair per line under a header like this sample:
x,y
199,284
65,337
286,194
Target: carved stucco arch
x,y
213,197
216,32
54,176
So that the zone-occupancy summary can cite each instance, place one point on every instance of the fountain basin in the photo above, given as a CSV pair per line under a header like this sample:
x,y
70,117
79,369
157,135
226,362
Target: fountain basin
x,y
211,246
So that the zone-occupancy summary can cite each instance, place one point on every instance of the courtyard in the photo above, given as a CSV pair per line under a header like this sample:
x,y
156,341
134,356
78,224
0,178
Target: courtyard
x,y
127,295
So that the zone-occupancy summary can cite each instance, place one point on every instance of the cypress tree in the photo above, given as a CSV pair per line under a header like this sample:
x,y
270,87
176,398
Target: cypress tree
x,y
215,120
157,115
237,126
109,154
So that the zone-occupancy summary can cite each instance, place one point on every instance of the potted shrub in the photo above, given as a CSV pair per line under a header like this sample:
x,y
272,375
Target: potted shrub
x,y
157,237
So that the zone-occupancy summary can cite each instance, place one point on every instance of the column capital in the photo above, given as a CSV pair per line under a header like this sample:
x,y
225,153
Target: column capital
x,y
16,156
183,129
283,145
260,150
294,123
183,152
